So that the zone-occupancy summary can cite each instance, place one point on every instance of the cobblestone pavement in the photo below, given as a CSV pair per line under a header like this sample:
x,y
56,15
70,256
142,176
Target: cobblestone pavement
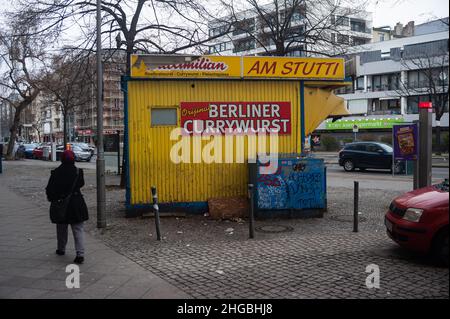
x,y
315,258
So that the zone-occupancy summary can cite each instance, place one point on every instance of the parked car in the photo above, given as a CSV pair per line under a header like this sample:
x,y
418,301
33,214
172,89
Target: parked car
x,y
418,220
81,154
38,152
28,149
84,147
365,155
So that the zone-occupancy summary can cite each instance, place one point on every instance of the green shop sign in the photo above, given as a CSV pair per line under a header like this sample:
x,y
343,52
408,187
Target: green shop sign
x,y
363,123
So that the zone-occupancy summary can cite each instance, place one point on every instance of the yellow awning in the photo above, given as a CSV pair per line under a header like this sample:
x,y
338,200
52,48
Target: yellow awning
x,y
320,104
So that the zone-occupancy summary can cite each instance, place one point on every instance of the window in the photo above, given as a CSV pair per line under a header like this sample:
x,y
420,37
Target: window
x,y
218,30
244,26
360,83
359,41
373,148
244,45
225,46
343,39
381,35
163,116
393,81
358,26
340,20
361,147
57,123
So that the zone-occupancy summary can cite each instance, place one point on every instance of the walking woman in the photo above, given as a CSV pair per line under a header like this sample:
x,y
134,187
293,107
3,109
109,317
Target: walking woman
x,y
64,184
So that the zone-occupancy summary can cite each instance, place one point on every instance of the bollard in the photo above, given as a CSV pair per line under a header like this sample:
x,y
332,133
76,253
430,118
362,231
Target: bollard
x,y
156,210
251,224
355,206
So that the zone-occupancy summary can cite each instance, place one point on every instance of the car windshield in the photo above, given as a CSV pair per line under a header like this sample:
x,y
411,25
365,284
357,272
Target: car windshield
x,y
386,147
30,146
77,148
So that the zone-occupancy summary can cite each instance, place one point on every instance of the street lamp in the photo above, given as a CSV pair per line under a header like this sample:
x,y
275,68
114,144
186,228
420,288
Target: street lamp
x,y
101,196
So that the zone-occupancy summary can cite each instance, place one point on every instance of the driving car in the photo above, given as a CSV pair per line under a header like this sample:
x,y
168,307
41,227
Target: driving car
x,y
418,220
363,155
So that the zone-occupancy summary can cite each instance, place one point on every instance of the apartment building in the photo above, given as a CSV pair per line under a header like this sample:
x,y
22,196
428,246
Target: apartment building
x,y
386,33
85,118
391,77
250,33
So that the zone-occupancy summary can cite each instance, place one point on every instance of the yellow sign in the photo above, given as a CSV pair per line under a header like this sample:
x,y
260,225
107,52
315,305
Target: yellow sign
x,y
286,67
182,66
176,66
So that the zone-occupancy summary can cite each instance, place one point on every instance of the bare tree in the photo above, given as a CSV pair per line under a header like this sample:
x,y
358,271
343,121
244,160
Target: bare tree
x,y
69,80
21,56
149,26
156,26
312,27
430,64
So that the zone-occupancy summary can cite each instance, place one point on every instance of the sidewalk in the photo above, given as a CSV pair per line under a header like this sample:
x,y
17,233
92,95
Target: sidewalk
x,y
29,267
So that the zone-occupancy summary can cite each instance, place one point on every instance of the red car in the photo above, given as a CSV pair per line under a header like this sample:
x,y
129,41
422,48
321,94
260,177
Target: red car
x,y
37,152
418,220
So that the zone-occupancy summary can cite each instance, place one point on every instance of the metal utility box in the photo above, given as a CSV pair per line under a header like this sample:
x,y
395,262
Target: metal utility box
x,y
296,189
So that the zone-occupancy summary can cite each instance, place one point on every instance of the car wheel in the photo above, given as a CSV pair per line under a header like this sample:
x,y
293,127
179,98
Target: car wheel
x,y
349,166
397,168
440,249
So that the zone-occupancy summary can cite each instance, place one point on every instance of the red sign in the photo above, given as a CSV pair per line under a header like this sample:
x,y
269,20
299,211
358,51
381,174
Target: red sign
x,y
425,105
236,117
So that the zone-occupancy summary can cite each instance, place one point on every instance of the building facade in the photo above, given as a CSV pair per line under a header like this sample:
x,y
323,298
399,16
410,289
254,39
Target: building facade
x,y
391,77
250,33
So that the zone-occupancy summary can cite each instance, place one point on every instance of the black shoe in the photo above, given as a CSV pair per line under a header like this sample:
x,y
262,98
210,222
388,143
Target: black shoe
x,y
60,252
79,260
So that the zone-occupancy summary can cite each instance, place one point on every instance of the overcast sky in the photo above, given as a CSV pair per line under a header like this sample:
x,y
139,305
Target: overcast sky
x,y
385,12
389,12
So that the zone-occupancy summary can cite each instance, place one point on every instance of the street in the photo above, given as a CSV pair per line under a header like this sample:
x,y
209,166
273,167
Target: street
x,y
204,258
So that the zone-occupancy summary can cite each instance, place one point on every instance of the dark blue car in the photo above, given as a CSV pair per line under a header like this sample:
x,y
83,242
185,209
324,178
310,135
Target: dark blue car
x,y
365,155
28,149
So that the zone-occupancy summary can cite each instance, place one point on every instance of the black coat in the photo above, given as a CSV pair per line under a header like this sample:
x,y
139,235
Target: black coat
x,y
59,186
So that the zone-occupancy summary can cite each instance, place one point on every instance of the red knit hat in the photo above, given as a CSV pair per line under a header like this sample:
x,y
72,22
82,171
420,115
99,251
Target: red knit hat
x,y
68,157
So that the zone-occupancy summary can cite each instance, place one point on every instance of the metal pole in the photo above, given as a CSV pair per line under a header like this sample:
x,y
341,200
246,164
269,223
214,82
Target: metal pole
x,y
101,202
118,152
393,160
416,163
251,224
156,210
425,153
355,206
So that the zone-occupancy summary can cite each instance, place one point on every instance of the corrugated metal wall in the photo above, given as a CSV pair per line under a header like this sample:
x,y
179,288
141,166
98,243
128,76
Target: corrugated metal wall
x,y
149,147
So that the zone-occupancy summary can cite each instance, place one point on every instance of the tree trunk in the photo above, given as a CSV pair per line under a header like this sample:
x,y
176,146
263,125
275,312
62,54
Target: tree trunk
x,y
13,133
124,163
65,129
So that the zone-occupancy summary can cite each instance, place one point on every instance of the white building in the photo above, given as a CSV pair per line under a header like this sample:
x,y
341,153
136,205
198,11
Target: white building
x,y
390,77
251,35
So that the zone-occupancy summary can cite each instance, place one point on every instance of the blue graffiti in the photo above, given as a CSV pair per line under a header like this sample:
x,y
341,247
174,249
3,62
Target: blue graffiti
x,y
297,185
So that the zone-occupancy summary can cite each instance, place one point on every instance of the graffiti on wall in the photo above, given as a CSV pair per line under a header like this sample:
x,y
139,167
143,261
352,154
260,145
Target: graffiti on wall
x,y
298,184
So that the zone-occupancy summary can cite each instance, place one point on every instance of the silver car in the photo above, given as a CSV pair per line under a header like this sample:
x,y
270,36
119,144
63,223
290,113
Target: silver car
x,y
80,154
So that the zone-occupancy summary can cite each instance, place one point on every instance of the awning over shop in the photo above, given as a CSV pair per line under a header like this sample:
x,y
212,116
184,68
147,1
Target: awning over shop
x,y
320,104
